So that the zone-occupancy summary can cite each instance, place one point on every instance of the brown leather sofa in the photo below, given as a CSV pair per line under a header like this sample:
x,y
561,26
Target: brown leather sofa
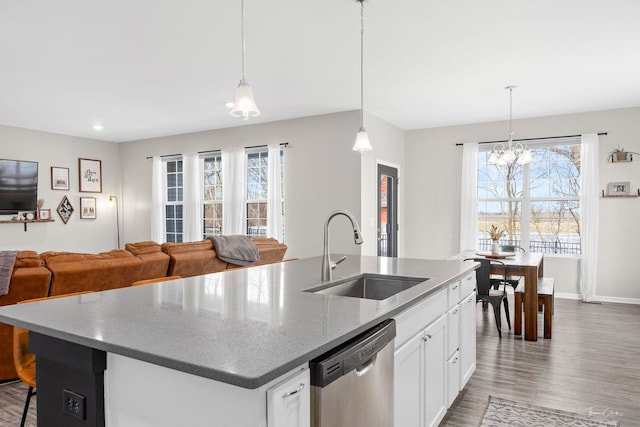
x,y
76,272
155,262
197,258
29,279
59,273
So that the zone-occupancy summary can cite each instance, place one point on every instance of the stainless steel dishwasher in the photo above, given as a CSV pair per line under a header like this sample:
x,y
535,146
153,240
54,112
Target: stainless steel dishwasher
x,y
352,385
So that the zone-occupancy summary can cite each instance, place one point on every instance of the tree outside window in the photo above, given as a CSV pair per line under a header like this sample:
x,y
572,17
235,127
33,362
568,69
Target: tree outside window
x,y
212,195
537,205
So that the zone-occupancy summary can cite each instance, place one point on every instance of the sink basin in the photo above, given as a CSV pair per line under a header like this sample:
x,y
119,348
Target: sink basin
x,y
369,286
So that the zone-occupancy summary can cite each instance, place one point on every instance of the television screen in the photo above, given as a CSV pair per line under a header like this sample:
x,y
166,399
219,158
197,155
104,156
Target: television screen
x,y
18,186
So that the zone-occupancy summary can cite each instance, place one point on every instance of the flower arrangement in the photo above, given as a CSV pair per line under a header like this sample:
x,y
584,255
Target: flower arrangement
x,y
495,233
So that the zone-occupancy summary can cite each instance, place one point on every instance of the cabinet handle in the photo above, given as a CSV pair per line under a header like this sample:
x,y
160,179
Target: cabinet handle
x,y
296,391
455,311
454,361
427,338
454,287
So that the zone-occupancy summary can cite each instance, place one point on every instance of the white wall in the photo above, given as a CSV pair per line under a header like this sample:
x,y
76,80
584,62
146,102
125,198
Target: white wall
x,y
322,174
433,172
79,235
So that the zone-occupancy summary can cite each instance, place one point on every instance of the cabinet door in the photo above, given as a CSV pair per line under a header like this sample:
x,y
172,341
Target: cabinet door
x,y
289,402
467,338
453,329
409,382
453,378
435,364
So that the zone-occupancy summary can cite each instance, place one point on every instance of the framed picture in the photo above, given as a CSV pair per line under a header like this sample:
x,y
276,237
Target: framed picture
x,y
45,213
87,208
90,175
65,209
59,178
618,189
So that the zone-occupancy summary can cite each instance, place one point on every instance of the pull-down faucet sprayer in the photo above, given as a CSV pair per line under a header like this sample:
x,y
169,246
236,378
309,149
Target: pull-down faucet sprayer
x,y
327,264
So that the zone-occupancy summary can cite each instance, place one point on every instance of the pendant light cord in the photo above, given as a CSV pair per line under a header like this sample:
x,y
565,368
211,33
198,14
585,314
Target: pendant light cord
x,y
243,43
361,63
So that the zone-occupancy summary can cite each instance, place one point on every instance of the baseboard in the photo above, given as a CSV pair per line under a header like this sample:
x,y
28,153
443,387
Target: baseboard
x,y
599,298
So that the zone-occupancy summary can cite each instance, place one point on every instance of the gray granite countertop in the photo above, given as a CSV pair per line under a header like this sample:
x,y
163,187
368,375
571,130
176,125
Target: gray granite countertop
x,y
243,327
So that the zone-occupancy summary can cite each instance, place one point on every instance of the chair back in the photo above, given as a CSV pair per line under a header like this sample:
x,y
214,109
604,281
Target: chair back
x,y
24,361
483,274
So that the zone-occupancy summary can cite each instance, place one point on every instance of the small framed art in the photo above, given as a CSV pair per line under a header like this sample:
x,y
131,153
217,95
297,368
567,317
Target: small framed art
x,y
87,208
65,209
618,189
90,175
45,214
59,178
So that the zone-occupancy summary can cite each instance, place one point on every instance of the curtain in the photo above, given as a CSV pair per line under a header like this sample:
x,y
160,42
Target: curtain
x,y
233,191
469,196
156,210
589,187
274,194
192,215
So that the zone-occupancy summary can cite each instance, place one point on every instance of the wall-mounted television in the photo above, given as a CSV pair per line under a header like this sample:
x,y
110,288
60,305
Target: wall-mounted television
x,y
18,186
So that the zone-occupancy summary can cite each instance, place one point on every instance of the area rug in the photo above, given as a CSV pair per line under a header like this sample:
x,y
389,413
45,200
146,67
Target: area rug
x,y
502,412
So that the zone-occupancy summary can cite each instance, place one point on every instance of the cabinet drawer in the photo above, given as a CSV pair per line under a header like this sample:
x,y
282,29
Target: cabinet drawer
x,y
453,291
468,284
411,321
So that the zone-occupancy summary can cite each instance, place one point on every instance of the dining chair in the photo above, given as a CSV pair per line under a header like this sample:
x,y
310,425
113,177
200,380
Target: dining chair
x,y
492,291
24,361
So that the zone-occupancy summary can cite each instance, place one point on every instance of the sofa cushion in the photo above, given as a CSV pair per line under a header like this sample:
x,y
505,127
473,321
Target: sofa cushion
x,y
155,263
193,258
26,259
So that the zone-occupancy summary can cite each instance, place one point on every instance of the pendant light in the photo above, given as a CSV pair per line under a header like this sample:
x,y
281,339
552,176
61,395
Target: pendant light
x,y
244,106
362,137
510,153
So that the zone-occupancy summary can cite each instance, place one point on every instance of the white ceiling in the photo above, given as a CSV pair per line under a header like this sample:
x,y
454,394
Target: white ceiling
x,y
146,68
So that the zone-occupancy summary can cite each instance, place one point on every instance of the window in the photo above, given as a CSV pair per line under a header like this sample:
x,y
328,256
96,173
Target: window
x,y
257,191
174,197
537,205
257,181
212,195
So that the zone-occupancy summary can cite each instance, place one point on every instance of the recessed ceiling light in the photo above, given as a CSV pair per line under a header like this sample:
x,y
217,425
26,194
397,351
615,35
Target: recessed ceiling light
x,y
229,104
98,127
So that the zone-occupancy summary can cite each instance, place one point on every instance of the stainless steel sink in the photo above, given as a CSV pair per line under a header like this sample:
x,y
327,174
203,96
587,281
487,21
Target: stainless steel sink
x,y
369,286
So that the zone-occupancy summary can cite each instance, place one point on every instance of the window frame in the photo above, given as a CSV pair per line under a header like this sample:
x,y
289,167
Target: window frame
x,y
526,201
204,157
178,236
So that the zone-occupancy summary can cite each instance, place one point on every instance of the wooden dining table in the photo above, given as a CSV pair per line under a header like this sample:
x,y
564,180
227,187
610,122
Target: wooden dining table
x,y
528,265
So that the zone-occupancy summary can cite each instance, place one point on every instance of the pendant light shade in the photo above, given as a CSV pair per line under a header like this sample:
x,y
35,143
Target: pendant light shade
x,y
362,137
244,106
362,141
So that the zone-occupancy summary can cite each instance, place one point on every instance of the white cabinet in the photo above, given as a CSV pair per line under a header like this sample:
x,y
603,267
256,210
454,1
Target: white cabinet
x,y
289,402
420,377
467,338
435,354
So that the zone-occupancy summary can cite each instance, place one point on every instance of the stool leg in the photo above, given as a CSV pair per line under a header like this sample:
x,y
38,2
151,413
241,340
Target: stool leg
x,y
517,314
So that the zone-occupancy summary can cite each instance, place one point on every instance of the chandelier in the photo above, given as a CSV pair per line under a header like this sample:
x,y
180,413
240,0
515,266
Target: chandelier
x,y
510,153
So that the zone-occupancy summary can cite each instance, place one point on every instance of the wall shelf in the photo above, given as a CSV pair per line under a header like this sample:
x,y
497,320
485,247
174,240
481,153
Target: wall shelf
x,y
25,221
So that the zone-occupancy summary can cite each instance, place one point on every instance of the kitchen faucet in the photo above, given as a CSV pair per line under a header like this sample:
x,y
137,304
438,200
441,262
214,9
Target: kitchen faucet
x,y
327,264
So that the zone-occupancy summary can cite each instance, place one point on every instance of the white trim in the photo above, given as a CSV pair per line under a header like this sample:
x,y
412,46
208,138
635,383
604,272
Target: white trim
x,y
599,298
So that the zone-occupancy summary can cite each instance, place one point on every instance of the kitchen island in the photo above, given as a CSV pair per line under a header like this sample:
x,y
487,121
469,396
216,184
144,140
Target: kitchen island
x,y
203,343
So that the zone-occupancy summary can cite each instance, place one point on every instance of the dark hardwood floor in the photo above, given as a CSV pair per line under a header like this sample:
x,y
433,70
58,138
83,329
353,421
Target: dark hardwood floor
x,y
591,366
593,361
